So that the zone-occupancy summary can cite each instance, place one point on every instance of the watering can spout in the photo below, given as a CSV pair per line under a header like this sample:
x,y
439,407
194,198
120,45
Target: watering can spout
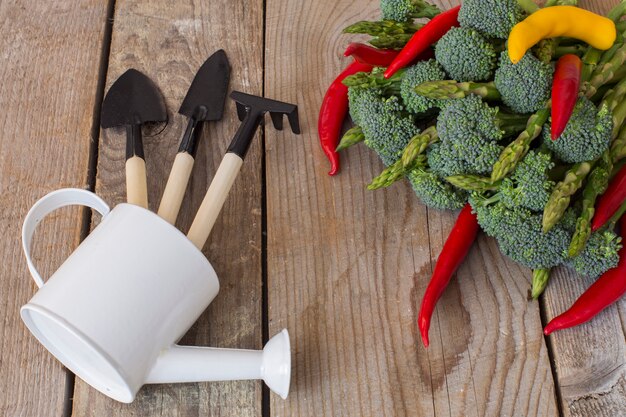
x,y
198,364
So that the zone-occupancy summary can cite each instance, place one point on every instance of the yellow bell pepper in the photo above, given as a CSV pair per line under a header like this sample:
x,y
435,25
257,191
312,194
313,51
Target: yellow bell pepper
x,y
573,22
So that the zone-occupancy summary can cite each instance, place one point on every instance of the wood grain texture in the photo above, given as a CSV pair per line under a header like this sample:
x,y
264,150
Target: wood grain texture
x,y
347,267
169,41
49,54
590,360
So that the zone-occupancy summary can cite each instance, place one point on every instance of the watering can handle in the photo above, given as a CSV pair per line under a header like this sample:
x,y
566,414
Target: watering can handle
x,y
45,206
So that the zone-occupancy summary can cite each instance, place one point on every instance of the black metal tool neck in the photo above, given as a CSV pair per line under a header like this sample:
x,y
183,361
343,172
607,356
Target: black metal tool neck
x,y
251,111
247,129
189,142
134,144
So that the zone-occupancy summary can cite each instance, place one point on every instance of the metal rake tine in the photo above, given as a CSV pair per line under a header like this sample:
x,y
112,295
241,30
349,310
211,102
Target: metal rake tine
x,y
294,120
277,120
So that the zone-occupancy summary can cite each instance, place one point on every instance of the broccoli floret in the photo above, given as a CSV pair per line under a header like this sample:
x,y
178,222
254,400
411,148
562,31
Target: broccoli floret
x,y
445,161
469,130
524,86
600,255
415,75
586,136
494,18
435,192
468,116
387,128
529,185
404,10
402,83
466,55
520,236
362,101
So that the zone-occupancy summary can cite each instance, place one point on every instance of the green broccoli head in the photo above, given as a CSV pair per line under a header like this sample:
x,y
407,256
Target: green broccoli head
x,y
468,116
494,18
415,75
468,130
387,128
362,102
529,185
404,10
466,55
520,236
586,136
600,255
524,86
434,192
445,160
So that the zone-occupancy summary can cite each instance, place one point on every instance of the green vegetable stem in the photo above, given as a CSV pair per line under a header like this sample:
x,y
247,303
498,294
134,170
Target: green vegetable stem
x,y
451,89
352,136
412,157
540,282
596,186
517,149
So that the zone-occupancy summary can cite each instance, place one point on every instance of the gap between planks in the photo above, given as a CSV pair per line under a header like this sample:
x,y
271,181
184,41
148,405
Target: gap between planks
x,y
266,410
92,166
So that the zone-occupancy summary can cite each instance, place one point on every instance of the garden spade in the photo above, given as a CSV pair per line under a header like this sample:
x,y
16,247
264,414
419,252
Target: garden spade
x,y
204,102
132,101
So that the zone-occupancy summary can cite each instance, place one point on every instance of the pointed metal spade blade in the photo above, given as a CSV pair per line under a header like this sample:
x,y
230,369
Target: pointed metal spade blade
x,y
133,99
207,93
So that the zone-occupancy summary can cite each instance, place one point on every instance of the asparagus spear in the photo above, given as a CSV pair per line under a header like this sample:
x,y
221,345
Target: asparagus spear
x,y
446,89
596,186
351,137
540,282
412,156
516,150
473,183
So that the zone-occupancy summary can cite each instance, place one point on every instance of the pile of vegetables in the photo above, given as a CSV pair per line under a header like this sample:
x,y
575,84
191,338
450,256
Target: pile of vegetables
x,y
510,112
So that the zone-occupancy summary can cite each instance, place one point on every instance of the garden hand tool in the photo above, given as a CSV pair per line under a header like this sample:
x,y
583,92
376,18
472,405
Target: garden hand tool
x,y
132,101
204,102
250,110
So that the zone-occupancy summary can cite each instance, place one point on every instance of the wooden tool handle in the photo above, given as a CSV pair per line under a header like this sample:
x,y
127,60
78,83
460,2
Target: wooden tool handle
x,y
214,199
136,183
176,187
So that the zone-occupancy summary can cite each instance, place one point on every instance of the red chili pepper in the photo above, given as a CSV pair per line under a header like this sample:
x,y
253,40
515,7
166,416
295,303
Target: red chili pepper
x,y
454,251
375,57
610,201
423,38
366,54
605,291
333,112
564,92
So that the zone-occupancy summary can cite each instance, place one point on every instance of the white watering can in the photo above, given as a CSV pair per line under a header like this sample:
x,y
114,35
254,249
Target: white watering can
x,y
112,314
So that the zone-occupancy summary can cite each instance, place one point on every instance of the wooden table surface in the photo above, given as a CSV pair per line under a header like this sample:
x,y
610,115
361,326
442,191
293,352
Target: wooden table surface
x,y
343,268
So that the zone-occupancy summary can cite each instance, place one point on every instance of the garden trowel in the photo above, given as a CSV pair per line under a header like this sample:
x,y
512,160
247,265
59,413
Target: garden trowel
x,y
133,100
204,102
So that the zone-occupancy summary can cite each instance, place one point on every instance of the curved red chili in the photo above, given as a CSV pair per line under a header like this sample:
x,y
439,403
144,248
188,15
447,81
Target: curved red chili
x,y
611,200
605,291
424,38
564,92
332,113
454,251
366,54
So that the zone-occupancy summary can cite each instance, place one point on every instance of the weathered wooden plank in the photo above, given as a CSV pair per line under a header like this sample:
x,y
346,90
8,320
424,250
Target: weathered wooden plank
x,y
50,55
487,336
347,267
169,41
590,360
